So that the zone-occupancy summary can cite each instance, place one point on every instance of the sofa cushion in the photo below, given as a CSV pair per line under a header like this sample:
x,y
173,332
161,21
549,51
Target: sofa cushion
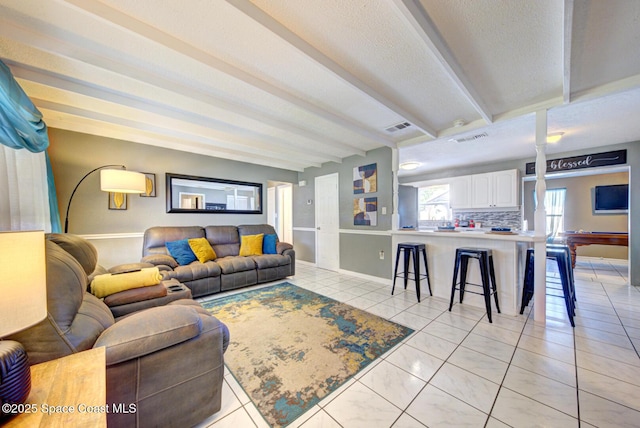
x,y
202,249
224,240
196,271
181,251
82,250
269,243
251,245
255,229
234,264
149,331
271,260
156,237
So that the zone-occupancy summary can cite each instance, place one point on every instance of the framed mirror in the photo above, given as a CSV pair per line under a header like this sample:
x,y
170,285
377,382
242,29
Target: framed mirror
x,y
190,194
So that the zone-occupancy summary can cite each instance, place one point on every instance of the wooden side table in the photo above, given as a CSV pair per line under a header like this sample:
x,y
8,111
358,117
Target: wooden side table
x,y
67,392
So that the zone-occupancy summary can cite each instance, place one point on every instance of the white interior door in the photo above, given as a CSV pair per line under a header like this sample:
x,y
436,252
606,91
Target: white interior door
x,y
285,210
327,222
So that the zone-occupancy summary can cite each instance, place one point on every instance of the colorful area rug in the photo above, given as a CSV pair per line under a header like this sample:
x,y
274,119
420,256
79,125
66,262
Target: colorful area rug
x,y
291,347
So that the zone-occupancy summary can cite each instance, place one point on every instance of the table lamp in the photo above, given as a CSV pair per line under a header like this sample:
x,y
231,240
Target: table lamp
x,y
23,303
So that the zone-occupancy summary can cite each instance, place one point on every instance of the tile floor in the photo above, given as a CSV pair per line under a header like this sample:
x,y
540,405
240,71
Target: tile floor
x,y
459,370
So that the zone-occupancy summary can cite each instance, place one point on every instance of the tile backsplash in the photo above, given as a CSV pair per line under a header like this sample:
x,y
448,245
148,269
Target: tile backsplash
x,y
512,219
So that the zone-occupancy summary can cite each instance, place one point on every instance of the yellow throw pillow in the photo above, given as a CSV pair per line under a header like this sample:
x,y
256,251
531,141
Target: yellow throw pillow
x,y
202,249
251,245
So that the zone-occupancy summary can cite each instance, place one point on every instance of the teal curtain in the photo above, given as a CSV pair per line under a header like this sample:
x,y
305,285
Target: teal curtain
x,y
54,213
22,127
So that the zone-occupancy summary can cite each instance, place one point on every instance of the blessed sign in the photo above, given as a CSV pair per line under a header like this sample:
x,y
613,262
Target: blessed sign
x,y
579,162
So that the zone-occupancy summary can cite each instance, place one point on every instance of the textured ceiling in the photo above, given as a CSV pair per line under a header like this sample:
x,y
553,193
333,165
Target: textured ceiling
x,y
296,83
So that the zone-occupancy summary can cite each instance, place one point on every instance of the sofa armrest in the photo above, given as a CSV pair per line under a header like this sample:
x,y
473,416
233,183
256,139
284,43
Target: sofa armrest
x,y
149,331
160,260
129,267
281,247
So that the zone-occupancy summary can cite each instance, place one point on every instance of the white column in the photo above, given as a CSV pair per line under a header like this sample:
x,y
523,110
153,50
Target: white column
x,y
540,221
395,216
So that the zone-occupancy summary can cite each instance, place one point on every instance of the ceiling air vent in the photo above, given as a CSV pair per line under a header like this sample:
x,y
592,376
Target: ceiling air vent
x,y
398,127
469,138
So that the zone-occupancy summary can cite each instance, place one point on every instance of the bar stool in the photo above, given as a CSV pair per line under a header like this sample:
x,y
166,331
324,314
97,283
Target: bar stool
x,y
567,251
561,255
412,249
487,272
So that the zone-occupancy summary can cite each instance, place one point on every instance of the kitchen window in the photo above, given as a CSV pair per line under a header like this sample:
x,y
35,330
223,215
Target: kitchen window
x,y
554,207
433,203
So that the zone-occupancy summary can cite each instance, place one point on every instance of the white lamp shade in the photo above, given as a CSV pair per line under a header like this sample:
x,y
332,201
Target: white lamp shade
x,y
122,181
24,281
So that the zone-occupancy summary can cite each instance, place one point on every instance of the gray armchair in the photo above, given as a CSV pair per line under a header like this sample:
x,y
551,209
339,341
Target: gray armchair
x,y
166,360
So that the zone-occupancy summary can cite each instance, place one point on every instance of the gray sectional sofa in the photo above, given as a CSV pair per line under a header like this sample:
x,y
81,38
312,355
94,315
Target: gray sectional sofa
x,y
229,270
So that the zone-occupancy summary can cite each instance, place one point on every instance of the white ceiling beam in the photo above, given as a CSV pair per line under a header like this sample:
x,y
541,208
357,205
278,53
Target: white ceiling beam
x,y
481,124
169,116
166,40
566,51
590,94
307,49
263,152
418,18
610,88
87,52
87,126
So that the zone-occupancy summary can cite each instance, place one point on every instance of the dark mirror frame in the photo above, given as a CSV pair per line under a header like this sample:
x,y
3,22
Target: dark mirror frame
x,y
211,207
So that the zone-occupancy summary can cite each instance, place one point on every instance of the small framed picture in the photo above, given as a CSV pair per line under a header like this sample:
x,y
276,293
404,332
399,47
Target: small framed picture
x,y
117,201
150,186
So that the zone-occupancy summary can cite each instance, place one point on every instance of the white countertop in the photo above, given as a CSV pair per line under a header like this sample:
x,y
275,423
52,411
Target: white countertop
x,y
474,234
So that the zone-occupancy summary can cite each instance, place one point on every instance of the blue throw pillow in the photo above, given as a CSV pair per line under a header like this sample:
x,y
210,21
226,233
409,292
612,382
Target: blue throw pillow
x,y
181,251
269,244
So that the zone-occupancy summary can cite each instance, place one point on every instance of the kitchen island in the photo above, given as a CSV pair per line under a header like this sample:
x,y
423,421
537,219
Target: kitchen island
x,y
509,252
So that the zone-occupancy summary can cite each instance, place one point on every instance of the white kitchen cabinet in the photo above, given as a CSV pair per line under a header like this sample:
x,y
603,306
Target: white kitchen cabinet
x,y
460,192
495,189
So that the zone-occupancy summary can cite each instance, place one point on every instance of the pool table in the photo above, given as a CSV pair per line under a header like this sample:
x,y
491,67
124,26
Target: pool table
x,y
575,239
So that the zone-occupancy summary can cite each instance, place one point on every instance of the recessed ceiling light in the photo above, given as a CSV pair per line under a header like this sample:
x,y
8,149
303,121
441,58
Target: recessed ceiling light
x,y
555,137
408,166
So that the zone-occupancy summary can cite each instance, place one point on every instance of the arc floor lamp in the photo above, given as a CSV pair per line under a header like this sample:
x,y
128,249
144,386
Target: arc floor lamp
x,y
112,180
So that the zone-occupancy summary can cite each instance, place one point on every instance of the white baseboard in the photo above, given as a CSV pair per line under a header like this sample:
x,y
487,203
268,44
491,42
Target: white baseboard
x,y
365,276
350,273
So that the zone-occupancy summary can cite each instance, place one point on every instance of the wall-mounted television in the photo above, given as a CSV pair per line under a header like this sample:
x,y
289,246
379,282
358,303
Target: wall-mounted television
x,y
612,199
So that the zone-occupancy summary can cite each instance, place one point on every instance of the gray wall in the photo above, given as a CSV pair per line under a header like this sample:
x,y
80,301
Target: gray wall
x,y
633,160
74,154
408,206
358,252
579,210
